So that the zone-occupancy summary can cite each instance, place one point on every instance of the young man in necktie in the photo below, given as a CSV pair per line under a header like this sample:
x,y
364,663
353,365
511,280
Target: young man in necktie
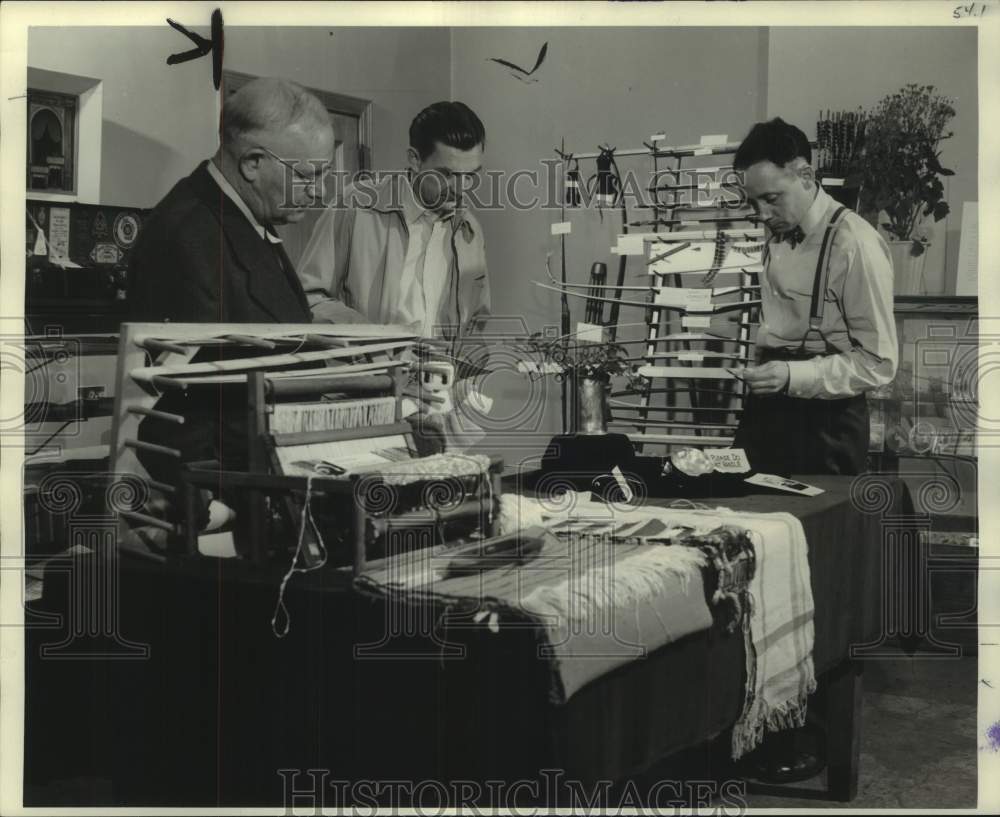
x,y
403,250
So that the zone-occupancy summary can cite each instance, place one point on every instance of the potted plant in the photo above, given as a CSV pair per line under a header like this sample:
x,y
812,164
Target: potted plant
x,y
901,188
590,367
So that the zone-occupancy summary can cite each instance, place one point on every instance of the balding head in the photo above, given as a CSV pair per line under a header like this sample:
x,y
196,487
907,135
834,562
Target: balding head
x,y
266,106
264,121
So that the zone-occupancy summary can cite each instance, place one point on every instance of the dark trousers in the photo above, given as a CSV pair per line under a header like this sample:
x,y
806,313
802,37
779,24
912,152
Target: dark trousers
x,y
790,435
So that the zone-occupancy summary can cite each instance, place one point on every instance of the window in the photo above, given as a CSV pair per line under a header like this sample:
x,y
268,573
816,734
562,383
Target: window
x,y
51,141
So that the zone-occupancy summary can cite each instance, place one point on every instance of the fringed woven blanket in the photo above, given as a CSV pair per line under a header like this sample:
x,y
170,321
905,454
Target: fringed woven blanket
x,y
778,632
611,585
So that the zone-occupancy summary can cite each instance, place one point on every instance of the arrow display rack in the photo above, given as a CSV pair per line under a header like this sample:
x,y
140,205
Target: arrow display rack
x,y
700,251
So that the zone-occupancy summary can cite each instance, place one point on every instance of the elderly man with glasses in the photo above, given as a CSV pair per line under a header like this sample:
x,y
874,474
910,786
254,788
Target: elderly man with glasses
x,y
209,251
209,254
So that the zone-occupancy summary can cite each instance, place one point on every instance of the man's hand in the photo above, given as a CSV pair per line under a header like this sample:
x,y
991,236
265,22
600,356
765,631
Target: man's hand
x,y
771,378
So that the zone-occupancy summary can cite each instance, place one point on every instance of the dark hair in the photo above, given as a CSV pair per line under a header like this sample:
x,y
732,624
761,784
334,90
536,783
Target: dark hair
x,y
774,141
450,123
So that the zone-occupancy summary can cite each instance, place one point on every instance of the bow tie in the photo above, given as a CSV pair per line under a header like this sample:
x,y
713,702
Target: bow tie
x,y
793,236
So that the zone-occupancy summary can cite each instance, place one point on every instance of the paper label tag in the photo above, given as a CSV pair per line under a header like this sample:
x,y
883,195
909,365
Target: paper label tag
x,y
728,460
58,233
630,245
105,253
715,139
833,182
590,332
696,321
697,357
616,472
561,228
793,486
695,298
657,137
702,152
40,248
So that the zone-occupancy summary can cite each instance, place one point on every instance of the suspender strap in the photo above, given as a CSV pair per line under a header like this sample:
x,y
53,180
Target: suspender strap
x,y
823,271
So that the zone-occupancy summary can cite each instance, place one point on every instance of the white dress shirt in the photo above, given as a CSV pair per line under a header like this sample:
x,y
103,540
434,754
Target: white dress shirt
x,y
858,315
230,191
426,267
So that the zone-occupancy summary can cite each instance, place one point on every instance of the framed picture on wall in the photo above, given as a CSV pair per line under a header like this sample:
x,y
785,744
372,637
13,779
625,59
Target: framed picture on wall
x,y
51,154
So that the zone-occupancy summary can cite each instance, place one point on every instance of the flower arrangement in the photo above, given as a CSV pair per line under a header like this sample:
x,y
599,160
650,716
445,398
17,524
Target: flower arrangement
x,y
900,164
592,361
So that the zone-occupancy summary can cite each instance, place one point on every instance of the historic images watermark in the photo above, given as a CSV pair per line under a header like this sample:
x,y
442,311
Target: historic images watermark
x,y
55,403
930,420
524,189
309,791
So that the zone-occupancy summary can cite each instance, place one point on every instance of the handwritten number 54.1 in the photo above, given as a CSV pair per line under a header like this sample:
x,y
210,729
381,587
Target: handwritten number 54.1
x,y
971,10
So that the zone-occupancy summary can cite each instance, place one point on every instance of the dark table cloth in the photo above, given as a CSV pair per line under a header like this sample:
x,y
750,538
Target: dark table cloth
x,y
366,688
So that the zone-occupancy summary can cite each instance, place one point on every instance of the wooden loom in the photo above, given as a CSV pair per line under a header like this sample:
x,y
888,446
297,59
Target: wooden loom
x,y
339,416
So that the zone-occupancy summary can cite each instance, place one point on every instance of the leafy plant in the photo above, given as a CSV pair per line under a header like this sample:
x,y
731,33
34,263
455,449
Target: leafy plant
x,y
901,166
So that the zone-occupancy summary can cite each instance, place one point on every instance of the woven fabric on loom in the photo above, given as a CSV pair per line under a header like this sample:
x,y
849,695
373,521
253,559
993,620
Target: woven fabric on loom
x,y
289,418
436,466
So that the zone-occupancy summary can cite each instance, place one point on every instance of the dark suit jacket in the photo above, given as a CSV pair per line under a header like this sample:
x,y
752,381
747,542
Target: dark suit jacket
x,y
199,260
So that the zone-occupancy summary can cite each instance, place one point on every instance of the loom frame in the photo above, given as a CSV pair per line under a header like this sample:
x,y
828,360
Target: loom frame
x,y
153,357
204,475
263,444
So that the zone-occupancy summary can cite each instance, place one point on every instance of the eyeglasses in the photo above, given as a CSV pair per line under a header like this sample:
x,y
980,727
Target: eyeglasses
x,y
305,180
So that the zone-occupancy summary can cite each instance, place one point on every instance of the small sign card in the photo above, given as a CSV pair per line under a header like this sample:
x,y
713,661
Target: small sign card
x,y
784,484
728,460
698,299
630,245
590,332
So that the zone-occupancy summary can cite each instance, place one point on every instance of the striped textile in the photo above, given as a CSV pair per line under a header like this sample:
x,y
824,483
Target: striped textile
x,y
779,631
605,595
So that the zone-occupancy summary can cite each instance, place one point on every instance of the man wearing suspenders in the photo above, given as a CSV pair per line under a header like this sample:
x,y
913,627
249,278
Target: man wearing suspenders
x,y
827,333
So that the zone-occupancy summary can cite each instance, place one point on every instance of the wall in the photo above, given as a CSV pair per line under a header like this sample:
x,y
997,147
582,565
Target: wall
x,y
611,85
616,86
157,119
160,120
401,70
843,68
